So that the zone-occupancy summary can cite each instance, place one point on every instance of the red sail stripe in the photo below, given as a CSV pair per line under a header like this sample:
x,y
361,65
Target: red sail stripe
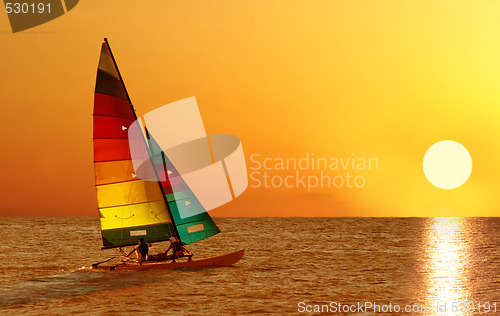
x,y
111,149
111,127
112,106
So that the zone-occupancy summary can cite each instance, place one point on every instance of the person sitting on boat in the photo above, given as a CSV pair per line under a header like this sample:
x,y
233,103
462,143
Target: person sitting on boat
x,y
178,250
141,249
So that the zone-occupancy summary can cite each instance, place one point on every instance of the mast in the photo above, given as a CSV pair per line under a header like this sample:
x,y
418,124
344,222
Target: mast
x,y
176,233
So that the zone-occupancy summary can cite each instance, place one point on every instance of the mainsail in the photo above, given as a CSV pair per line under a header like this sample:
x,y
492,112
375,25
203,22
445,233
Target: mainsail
x,y
130,206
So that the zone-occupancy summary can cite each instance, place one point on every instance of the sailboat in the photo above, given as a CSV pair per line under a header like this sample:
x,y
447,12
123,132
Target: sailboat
x,y
131,206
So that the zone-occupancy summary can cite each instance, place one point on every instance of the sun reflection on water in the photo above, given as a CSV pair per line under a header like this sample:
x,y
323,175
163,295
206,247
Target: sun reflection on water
x,y
447,252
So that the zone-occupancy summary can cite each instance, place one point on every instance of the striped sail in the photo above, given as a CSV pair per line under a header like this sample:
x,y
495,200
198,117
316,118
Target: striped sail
x,y
129,207
192,221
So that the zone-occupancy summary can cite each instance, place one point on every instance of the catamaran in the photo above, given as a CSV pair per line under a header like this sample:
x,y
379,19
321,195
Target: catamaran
x,y
132,206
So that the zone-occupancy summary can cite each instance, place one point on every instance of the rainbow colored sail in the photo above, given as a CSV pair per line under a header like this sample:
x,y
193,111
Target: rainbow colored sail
x,y
129,206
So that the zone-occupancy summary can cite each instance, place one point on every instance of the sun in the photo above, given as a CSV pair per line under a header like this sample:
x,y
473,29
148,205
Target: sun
x,y
447,164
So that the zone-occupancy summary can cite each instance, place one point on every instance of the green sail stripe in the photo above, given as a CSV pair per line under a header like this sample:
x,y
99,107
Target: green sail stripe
x,y
183,224
209,229
181,195
130,235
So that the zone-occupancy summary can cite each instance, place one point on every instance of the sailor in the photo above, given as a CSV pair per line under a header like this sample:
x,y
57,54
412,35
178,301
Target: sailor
x,y
141,249
178,249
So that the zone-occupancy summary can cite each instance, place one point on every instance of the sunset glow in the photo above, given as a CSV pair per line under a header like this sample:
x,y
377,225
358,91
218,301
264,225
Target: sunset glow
x,y
382,80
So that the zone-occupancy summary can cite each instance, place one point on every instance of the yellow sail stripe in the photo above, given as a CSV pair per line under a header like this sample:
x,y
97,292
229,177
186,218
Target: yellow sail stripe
x,y
131,192
134,215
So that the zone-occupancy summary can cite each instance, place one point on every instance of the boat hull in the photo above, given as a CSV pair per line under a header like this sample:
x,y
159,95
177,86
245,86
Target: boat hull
x,y
221,260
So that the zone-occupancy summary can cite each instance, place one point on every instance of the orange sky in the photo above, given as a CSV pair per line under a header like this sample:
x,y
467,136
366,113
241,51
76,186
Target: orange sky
x,y
383,79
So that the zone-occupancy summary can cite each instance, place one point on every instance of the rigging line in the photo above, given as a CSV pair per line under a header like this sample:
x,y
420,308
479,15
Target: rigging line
x,y
126,159
117,182
109,115
155,215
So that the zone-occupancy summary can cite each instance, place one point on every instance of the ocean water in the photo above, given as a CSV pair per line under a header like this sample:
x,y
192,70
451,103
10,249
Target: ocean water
x,y
291,265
